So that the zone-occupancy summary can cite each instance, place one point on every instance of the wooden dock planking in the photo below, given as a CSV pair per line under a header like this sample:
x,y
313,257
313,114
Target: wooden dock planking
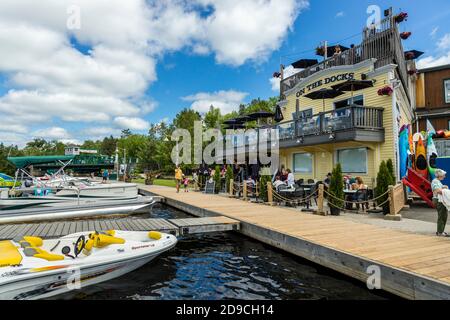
x,y
413,266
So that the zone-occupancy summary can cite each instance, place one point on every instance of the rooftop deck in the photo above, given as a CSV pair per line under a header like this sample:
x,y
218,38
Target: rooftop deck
x,y
382,43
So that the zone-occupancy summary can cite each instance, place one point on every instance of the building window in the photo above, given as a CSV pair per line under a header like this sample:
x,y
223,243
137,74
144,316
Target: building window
x,y
447,90
303,163
353,160
303,115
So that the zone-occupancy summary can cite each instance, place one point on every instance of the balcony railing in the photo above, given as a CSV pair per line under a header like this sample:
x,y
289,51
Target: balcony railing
x,y
382,43
348,119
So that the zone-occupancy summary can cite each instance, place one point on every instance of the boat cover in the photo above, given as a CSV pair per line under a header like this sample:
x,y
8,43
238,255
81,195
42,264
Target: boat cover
x,y
23,162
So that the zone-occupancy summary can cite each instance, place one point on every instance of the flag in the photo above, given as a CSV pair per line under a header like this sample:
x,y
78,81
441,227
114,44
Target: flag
x,y
430,128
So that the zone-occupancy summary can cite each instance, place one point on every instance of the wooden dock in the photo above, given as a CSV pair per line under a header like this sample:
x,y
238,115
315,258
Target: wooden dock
x,y
173,226
410,265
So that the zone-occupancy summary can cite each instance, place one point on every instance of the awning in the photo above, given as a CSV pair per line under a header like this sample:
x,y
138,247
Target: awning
x,y
23,162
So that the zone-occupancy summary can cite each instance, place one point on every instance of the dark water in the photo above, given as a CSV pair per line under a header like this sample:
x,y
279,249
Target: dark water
x,y
227,266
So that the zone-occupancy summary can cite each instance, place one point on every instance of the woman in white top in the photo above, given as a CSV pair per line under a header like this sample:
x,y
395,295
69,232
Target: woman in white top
x,y
437,187
290,179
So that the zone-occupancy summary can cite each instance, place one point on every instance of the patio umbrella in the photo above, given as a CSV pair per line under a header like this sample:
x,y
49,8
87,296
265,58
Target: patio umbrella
x,y
244,119
232,122
261,115
353,85
324,94
234,127
413,53
304,63
278,114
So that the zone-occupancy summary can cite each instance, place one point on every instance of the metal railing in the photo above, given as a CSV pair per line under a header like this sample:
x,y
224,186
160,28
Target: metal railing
x,y
382,43
348,118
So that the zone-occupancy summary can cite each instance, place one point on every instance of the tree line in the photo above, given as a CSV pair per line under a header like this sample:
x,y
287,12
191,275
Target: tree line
x,y
151,151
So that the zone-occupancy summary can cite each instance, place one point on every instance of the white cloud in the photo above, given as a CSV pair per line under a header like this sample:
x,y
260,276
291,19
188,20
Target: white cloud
x,y
100,131
434,32
131,123
53,80
288,71
52,133
444,42
226,101
432,61
340,14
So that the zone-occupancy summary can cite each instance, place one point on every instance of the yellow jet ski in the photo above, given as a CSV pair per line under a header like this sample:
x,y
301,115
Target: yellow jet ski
x,y
33,268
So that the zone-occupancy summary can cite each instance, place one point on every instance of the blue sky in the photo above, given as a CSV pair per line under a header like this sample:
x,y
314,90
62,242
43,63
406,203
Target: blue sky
x,y
87,83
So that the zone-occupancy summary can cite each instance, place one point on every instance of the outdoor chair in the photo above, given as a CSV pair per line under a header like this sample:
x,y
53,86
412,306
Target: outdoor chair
x,y
311,181
360,196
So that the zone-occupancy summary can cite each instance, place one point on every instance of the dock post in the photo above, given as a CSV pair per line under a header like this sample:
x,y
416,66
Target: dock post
x,y
395,203
320,199
231,188
244,191
269,193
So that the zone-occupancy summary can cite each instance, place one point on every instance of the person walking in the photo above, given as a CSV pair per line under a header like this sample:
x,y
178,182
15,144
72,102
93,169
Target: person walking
x,y
437,187
105,176
178,177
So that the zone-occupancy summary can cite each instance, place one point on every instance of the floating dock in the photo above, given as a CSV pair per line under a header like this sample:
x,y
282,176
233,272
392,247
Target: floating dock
x,y
174,226
412,266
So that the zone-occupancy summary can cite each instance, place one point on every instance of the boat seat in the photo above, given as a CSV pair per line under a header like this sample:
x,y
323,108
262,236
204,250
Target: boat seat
x,y
155,235
9,254
42,254
101,240
31,242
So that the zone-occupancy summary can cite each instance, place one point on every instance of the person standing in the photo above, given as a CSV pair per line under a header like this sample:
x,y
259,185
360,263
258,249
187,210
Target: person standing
x,y
437,187
178,177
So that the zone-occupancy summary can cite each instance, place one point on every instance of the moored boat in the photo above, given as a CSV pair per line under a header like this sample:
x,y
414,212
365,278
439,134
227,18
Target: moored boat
x,y
33,268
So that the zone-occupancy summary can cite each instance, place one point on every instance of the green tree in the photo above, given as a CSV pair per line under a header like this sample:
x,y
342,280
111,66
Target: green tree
x,y
108,146
336,190
212,118
390,167
263,195
384,180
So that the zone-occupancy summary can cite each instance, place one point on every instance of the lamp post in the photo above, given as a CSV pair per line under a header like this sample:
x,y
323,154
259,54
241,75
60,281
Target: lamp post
x,y
124,162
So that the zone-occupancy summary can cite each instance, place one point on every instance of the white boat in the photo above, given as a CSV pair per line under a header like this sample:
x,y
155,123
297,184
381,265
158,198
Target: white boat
x,y
33,268
76,193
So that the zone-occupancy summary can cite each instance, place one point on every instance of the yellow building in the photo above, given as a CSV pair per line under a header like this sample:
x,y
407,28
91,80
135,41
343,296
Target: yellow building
x,y
357,129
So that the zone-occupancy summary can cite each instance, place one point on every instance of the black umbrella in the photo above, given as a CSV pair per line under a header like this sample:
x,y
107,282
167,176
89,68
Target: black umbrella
x,y
278,114
234,127
353,85
324,94
304,63
413,54
244,119
232,122
261,115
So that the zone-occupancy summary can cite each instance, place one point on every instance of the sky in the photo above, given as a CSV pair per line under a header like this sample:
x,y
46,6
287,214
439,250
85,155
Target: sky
x,y
73,70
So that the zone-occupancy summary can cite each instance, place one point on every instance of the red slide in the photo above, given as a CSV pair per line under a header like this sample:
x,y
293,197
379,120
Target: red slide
x,y
420,185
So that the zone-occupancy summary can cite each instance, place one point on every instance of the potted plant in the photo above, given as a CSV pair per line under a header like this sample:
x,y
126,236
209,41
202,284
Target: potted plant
x,y
412,72
385,91
402,16
405,35
320,51
384,180
277,74
336,190
410,56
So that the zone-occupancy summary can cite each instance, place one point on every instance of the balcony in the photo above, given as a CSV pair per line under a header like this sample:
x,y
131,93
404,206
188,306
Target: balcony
x,y
352,123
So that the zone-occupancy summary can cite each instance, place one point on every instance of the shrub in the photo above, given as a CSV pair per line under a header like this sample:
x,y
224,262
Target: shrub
x,y
384,180
263,188
336,188
217,180
228,176
390,167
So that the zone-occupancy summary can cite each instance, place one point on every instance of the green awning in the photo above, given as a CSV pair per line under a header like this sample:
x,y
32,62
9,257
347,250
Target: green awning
x,y
23,162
